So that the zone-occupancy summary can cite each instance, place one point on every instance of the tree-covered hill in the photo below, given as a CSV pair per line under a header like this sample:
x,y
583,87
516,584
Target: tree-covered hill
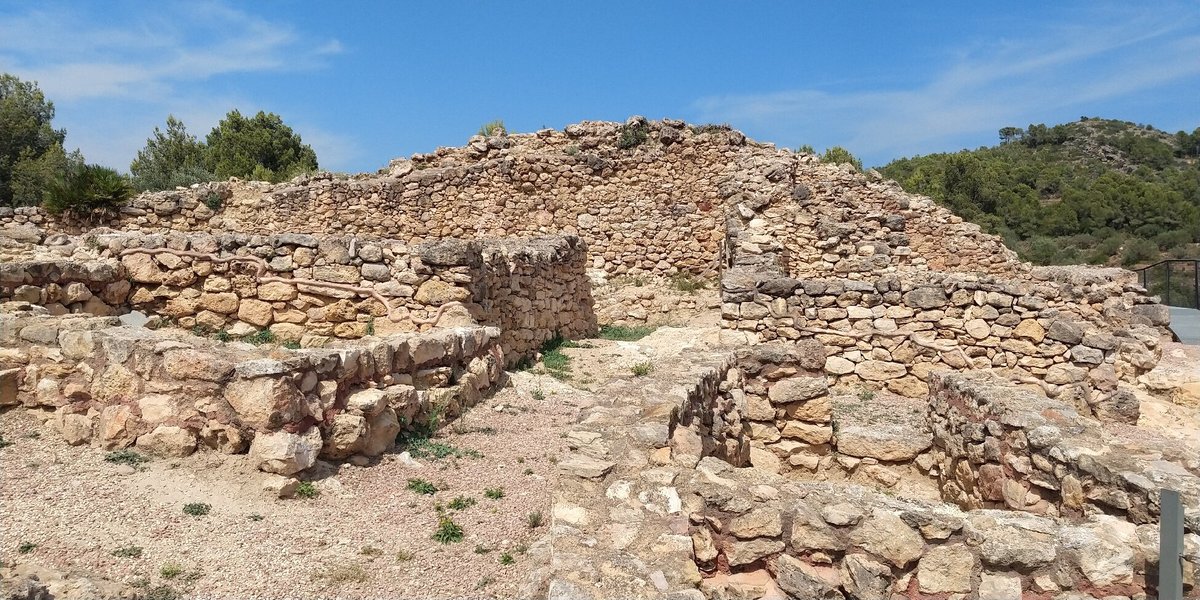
x,y
1096,190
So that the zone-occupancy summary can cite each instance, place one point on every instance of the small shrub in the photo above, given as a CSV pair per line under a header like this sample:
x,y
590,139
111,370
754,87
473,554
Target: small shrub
x,y
448,531
623,333
128,552
481,549
494,493
461,503
307,490
196,509
223,336
866,395
170,571
534,519
572,150
85,191
260,337
422,487
126,457
404,556
213,201
371,551
642,369
291,345
26,547
493,128
710,128
633,135
507,559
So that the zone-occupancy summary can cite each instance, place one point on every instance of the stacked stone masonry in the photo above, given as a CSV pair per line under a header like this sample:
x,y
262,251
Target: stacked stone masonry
x,y
169,393
409,291
309,289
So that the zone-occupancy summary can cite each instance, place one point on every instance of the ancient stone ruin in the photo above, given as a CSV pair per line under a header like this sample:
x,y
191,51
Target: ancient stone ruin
x,y
873,399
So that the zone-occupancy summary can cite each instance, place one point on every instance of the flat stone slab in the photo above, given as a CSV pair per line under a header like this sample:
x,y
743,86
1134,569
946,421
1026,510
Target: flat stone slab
x,y
881,425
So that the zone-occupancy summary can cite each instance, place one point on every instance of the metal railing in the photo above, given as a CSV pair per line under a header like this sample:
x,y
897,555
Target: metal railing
x,y
1185,291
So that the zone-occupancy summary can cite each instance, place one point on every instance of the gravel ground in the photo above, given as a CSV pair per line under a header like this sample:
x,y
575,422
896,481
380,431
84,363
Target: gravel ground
x,y
365,536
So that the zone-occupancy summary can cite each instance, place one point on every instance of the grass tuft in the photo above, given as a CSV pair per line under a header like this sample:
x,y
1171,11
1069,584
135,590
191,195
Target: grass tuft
x,y
448,531
625,333
422,487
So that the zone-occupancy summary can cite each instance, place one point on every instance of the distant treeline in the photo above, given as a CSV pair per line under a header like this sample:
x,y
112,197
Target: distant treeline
x,y
1096,190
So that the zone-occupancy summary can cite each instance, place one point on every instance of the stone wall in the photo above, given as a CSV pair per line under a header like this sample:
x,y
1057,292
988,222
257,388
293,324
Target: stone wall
x,y
894,330
657,207
755,534
167,392
996,446
308,289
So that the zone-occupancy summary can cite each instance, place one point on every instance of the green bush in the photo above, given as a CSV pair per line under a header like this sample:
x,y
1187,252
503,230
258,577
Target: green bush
x,y
633,135
86,190
196,509
1137,251
307,490
840,155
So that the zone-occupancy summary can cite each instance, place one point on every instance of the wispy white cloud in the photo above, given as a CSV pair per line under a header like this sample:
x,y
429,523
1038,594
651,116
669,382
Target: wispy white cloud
x,y
113,83
989,85
72,58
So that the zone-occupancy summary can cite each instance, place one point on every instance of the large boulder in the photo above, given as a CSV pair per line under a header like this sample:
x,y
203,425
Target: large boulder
x,y
286,453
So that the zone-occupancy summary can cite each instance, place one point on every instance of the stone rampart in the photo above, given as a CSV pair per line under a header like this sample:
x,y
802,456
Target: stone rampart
x,y
658,206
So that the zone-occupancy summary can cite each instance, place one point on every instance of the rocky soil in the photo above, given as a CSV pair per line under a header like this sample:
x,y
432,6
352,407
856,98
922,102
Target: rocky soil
x,y
364,535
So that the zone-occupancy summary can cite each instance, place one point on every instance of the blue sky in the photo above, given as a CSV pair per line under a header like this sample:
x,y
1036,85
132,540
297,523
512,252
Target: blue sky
x,y
364,82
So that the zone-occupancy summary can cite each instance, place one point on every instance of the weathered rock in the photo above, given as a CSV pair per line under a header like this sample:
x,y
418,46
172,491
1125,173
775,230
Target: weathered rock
x,y
885,535
584,466
168,440
286,453
759,522
801,580
946,569
878,370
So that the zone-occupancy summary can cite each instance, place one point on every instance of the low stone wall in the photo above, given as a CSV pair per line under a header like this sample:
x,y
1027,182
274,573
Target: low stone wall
x,y
169,393
308,289
756,534
998,446
893,331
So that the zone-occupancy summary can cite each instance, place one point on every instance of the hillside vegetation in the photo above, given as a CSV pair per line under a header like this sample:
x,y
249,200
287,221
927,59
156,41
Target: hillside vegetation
x,y
1097,191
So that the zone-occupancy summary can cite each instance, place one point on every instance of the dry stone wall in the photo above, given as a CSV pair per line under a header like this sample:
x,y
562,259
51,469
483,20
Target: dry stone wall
x,y
309,289
756,534
169,393
1011,448
893,331
655,207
